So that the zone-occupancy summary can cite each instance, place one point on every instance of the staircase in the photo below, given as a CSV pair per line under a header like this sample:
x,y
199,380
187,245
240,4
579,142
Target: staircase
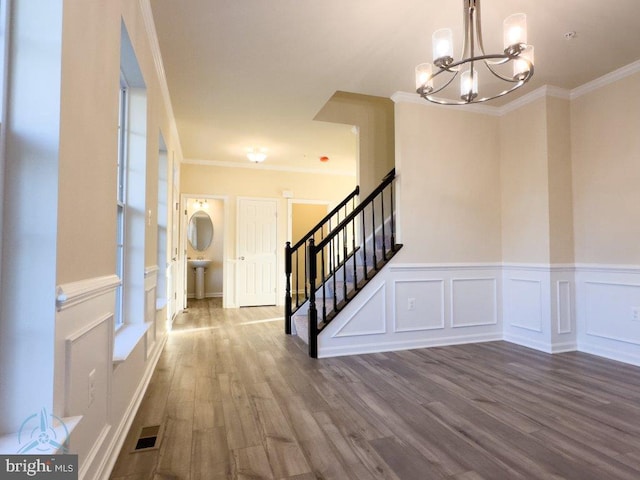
x,y
336,259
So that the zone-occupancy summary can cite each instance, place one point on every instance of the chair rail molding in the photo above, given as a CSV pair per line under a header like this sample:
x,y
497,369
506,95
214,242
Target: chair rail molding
x,y
74,293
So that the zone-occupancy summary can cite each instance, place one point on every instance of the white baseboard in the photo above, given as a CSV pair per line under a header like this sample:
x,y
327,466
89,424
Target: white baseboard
x,y
192,296
339,351
609,353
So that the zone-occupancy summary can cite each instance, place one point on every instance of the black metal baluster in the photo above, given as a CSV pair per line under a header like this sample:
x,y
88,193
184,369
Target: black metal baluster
x,y
306,271
324,291
393,211
344,263
313,312
354,254
364,245
373,234
384,237
334,273
297,279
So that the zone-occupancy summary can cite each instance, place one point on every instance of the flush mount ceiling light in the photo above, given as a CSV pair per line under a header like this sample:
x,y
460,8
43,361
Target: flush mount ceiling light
x,y
513,67
257,156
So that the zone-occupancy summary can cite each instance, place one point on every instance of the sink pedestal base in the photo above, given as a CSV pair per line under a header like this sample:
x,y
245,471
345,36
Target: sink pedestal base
x,y
199,283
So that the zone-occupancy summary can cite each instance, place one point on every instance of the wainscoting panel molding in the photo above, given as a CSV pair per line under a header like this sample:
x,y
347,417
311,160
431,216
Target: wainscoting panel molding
x,y
564,311
474,302
418,305
365,321
605,298
418,309
87,383
525,304
551,308
609,308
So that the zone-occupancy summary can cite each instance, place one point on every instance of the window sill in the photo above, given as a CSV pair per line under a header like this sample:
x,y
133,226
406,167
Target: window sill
x,y
10,444
126,339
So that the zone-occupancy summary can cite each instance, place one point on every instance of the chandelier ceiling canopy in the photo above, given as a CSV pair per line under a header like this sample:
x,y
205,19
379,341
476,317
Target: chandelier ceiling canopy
x,y
513,67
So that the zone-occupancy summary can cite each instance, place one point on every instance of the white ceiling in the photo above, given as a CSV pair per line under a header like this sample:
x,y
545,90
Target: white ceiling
x,y
245,73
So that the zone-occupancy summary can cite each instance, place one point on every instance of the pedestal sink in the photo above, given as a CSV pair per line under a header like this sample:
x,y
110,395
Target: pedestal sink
x,y
199,264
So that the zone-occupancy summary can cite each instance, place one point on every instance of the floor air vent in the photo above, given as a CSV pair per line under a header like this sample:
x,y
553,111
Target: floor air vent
x,y
148,439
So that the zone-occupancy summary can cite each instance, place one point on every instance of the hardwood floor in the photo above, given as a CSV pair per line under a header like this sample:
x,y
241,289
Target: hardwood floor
x,y
239,399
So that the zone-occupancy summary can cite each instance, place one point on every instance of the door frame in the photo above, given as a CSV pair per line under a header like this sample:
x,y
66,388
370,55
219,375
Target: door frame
x,y
184,199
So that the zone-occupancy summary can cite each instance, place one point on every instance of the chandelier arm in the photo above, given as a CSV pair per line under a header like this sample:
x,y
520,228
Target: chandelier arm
x,y
510,79
445,101
455,74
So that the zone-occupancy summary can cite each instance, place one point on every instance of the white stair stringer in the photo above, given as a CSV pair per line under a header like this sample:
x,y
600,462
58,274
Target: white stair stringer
x,y
300,320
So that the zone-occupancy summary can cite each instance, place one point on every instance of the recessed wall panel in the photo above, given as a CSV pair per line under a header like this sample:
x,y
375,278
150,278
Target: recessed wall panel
x,y
609,311
473,302
525,304
419,305
564,307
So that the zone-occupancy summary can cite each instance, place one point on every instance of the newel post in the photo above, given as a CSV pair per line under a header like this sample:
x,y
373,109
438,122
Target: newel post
x,y
287,294
313,311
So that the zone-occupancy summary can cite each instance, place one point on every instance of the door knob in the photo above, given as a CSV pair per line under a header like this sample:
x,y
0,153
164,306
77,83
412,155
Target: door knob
x,y
240,258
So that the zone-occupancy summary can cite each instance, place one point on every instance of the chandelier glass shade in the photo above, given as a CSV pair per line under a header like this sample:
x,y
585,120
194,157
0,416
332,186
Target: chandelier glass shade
x,y
497,73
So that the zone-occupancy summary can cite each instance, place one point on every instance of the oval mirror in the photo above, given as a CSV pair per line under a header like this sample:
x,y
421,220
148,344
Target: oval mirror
x,y
200,231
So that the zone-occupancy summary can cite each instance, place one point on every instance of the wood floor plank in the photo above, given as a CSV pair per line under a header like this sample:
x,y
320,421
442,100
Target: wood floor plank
x,y
251,463
284,453
238,399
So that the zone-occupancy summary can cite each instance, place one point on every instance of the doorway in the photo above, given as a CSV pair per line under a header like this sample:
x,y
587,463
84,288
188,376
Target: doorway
x,y
204,224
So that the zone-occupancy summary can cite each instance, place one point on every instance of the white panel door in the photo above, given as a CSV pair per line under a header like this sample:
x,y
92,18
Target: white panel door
x,y
257,228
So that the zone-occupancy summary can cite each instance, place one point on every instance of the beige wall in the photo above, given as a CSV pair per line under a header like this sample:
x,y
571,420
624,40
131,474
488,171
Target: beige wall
x,y
88,136
605,147
449,185
374,117
565,191
560,181
535,173
524,183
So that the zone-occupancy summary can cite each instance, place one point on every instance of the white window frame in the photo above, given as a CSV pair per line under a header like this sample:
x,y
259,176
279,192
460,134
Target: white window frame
x,y
121,198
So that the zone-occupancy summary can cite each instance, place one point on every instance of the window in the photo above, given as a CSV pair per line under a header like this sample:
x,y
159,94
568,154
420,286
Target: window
x,y
121,199
131,207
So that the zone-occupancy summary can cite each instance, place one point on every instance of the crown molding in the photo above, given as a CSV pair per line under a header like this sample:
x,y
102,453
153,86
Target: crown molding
x,y
261,166
538,93
152,36
605,80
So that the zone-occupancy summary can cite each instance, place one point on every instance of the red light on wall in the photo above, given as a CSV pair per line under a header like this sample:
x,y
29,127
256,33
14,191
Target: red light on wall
x,y
324,159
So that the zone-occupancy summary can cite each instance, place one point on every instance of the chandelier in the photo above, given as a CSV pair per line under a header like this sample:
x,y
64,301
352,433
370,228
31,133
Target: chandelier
x,y
257,156
512,68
